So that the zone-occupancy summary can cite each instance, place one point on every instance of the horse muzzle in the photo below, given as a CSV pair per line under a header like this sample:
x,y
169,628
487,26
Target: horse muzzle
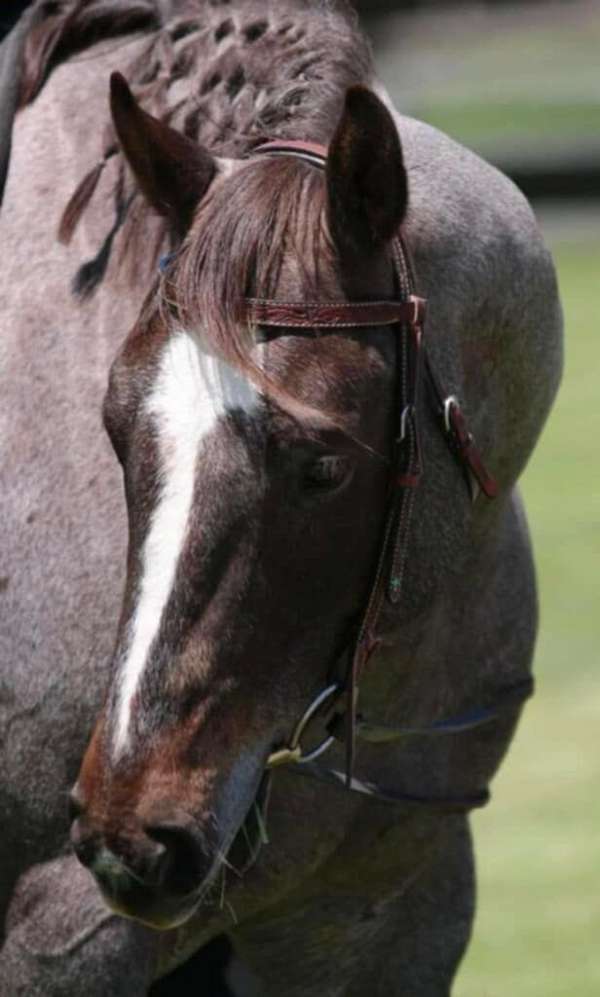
x,y
153,871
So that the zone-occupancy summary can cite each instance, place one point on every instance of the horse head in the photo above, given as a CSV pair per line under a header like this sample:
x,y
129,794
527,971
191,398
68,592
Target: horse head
x,y
255,470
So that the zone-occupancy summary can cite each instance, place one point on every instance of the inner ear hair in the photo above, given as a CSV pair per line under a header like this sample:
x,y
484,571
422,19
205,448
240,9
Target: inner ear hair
x,y
366,178
172,171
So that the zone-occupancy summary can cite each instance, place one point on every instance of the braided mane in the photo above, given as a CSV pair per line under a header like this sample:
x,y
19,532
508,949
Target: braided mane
x,y
227,74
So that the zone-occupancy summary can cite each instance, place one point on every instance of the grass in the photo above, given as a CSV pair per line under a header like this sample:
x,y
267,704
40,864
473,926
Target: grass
x,y
538,845
521,84
516,127
516,81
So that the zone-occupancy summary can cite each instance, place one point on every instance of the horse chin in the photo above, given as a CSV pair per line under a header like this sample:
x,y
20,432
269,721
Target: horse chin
x,y
158,913
154,907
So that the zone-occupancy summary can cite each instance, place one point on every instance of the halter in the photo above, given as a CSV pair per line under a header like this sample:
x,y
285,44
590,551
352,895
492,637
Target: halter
x,y
405,317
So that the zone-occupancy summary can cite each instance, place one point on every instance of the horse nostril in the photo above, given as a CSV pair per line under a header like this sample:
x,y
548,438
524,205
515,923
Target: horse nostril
x,y
151,866
185,857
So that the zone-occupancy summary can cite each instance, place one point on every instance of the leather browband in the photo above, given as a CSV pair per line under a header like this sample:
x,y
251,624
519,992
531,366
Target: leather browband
x,y
335,314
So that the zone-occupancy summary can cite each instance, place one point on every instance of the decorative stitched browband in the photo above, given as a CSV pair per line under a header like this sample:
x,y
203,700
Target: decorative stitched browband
x,y
407,315
335,314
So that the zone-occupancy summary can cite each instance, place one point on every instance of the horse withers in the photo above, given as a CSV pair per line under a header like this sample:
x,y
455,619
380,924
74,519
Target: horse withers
x,y
319,484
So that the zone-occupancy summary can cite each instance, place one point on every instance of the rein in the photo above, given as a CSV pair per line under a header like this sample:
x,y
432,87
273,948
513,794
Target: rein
x,y
405,316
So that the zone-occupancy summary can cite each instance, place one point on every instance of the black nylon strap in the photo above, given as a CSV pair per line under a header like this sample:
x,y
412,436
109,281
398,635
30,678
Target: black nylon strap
x,y
424,804
506,700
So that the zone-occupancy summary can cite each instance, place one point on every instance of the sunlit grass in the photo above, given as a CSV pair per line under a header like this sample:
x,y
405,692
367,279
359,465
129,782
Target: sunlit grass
x,y
516,127
538,845
513,81
520,84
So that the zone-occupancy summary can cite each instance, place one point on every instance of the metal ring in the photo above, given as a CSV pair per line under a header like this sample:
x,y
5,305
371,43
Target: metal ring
x,y
318,751
293,751
448,403
307,716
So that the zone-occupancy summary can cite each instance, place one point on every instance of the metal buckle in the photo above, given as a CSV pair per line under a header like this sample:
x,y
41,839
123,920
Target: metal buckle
x,y
293,752
417,315
407,413
449,402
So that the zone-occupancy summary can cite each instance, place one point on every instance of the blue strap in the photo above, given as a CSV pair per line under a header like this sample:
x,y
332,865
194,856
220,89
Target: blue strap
x,y
165,261
506,699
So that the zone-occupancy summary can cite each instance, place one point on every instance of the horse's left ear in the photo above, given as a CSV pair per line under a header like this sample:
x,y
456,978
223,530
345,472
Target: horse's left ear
x,y
172,172
366,179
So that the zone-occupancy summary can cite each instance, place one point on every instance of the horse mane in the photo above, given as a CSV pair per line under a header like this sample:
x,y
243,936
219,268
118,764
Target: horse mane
x,y
59,29
227,74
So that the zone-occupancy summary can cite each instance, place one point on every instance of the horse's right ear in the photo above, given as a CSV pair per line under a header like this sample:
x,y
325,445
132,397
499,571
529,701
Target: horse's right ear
x,y
367,185
172,172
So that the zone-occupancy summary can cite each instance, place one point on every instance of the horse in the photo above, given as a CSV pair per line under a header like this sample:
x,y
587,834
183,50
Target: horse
x,y
324,339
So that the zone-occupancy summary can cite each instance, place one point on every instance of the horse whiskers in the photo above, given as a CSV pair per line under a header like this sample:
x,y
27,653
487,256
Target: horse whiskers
x,y
211,900
232,912
223,886
226,864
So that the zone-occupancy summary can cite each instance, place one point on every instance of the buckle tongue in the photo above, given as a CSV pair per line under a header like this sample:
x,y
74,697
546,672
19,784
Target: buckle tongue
x,y
293,753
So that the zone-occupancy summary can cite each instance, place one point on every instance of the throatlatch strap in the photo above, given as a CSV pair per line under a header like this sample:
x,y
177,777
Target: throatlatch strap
x,y
403,801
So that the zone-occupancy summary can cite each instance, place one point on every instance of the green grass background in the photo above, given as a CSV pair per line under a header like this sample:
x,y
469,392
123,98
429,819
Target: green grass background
x,y
518,82
521,84
537,932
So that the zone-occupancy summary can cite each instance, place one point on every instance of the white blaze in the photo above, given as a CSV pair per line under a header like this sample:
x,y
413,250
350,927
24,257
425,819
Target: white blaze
x,y
193,388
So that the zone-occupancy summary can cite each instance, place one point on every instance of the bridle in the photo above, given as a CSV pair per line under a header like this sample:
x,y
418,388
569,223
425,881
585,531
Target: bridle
x,y
416,376
405,316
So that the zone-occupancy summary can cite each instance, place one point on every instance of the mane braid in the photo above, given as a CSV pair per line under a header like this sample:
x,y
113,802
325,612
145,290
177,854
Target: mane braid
x,y
228,74
62,28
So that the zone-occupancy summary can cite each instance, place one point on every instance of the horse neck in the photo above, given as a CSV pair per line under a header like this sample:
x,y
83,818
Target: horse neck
x,y
214,78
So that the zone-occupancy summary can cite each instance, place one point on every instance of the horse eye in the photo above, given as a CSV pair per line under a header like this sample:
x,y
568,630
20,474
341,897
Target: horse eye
x,y
327,473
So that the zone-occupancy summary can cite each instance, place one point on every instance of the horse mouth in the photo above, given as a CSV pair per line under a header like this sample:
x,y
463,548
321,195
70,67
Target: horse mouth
x,y
158,912
149,904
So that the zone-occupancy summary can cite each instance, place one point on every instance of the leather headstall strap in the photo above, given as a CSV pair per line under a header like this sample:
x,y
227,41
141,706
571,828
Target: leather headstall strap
x,y
407,315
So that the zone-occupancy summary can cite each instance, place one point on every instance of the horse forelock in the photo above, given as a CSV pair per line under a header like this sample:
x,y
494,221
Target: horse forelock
x,y
260,234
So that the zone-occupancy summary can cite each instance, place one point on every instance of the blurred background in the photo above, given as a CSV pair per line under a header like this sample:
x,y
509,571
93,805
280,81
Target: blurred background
x,y
520,84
